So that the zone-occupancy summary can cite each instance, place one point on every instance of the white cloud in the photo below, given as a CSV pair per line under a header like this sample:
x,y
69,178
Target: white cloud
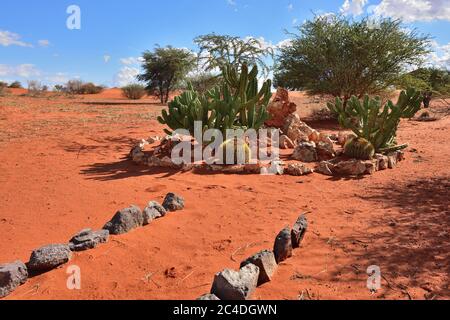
x,y
43,43
106,58
284,43
131,60
294,21
353,7
22,70
440,57
8,38
58,78
125,76
414,10
290,7
231,2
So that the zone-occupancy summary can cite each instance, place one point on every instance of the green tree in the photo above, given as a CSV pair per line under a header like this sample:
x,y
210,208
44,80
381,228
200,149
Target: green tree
x,y
218,51
427,79
164,68
342,57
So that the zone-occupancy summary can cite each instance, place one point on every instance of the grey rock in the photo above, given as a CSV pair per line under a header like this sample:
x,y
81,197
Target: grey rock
x,y
265,261
12,275
125,220
383,161
392,160
49,257
351,167
298,169
298,231
282,248
153,211
325,168
233,285
88,239
305,152
325,151
173,202
208,297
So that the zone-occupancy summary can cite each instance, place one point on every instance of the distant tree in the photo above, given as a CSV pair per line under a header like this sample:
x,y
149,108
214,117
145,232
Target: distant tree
x,y
216,51
341,57
15,85
74,86
428,79
164,69
202,82
59,88
79,87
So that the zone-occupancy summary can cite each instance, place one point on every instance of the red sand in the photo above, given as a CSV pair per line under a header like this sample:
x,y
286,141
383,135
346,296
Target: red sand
x,y
64,169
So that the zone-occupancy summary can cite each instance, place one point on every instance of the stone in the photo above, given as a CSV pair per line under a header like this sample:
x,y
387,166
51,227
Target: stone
x,y
152,212
88,239
382,161
298,169
49,257
282,248
296,129
12,275
276,167
233,285
253,168
353,167
325,151
314,136
326,168
265,261
305,152
286,142
137,155
371,166
400,155
125,220
298,231
280,108
392,160
173,202
208,297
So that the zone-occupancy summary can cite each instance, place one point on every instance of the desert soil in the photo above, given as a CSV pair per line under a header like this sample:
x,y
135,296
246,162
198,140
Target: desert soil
x,y
64,168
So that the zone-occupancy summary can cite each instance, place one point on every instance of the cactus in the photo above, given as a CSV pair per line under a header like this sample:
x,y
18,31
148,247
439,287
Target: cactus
x,y
359,148
375,124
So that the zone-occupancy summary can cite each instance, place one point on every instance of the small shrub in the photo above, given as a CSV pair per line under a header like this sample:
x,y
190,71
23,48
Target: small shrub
x,y
15,85
59,88
78,87
35,88
134,91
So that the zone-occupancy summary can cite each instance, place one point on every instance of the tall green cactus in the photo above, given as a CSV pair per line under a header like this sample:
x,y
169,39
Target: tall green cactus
x,y
377,125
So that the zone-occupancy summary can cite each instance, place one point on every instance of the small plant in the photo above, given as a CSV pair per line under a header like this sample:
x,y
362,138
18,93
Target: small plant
x,y
377,125
35,88
78,87
134,91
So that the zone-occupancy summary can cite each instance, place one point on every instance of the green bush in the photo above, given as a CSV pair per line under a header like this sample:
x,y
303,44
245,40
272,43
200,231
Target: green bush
x,y
15,85
134,91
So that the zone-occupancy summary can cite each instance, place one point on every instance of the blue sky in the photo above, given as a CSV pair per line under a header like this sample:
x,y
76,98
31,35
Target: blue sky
x,y
36,44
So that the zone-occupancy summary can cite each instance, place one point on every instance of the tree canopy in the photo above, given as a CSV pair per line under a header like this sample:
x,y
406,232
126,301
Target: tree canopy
x,y
164,68
427,79
341,57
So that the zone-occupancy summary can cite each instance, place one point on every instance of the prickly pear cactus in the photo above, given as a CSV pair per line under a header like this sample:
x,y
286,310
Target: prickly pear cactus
x,y
359,148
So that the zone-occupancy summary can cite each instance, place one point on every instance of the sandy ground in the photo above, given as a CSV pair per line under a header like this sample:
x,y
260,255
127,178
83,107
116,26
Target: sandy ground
x,y
64,168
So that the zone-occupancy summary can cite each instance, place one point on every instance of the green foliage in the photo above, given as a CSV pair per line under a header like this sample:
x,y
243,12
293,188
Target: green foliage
x,y
427,79
236,103
79,87
223,50
15,85
203,82
342,57
359,148
377,125
164,69
134,91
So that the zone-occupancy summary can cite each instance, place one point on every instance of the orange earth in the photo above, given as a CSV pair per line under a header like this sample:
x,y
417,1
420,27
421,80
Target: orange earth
x,y
64,168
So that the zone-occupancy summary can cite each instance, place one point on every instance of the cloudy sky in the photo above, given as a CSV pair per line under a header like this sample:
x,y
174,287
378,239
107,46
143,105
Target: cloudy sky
x,y
36,43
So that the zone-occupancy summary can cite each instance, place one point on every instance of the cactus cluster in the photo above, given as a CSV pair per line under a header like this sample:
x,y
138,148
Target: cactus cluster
x,y
376,124
236,103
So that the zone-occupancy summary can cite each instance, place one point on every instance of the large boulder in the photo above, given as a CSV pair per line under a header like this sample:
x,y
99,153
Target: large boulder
x,y
12,275
282,248
174,202
233,285
49,257
280,108
354,167
305,152
153,211
265,261
125,220
87,239
296,129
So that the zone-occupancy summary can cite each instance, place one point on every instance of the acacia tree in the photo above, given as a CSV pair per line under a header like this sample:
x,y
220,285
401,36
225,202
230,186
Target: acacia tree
x,y
217,51
340,57
164,68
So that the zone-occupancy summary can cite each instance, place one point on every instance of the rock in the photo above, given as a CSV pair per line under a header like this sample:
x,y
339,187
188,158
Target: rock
x,y
49,257
382,161
137,155
305,152
400,156
253,168
173,202
233,285
286,142
282,248
208,297
296,129
298,231
351,167
280,108
314,136
276,167
265,261
392,160
325,151
125,220
88,239
371,166
12,275
326,168
153,211
298,169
